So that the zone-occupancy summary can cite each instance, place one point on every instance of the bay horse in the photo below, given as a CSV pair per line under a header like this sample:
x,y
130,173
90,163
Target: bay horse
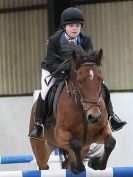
x,y
81,115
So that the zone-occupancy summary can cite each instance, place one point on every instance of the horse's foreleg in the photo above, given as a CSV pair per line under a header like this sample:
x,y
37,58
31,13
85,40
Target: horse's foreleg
x,y
109,144
99,163
66,141
42,151
76,146
63,136
84,152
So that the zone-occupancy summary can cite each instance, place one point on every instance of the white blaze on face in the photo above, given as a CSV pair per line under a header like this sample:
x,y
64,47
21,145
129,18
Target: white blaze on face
x,y
91,75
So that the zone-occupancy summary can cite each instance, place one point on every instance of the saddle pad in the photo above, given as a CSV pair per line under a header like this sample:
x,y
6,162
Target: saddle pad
x,y
56,97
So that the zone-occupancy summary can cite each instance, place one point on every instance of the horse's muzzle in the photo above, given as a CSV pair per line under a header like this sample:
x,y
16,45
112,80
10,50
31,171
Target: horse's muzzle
x,y
93,117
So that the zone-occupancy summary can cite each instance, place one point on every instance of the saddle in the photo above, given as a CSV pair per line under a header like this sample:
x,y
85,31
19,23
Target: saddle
x,y
51,102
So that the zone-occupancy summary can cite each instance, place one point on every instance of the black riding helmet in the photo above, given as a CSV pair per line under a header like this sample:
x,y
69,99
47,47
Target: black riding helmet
x,y
72,15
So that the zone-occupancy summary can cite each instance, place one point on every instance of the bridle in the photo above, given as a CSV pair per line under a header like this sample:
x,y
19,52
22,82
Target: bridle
x,y
79,97
80,100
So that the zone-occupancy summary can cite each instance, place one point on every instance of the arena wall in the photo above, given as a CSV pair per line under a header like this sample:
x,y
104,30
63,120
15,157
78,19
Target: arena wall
x,y
14,120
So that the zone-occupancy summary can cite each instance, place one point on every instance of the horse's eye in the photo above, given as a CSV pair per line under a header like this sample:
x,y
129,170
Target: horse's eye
x,y
99,78
81,80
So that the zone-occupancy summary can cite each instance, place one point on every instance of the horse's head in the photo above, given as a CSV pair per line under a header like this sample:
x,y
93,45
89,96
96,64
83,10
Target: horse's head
x,y
88,80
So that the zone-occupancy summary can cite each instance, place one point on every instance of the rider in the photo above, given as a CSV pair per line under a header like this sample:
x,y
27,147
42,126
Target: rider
x,y
72,20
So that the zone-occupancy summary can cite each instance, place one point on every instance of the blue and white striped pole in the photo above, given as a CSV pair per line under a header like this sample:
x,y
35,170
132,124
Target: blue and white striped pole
x,y
7,159
109,172
15,159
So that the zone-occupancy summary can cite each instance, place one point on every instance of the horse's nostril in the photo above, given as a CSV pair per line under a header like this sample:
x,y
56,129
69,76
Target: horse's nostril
x,y
94,118
90,118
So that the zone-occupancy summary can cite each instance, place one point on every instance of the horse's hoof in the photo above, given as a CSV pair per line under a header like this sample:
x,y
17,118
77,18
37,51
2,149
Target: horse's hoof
x,y
77,169
73,168
44,168
94,163
64,165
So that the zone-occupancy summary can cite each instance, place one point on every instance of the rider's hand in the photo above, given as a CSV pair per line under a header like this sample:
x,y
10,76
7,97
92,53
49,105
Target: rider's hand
x,y
66,67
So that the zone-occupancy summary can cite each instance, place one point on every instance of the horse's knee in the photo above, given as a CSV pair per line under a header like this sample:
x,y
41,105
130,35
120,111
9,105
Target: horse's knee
x,y
62,136
109,143
75,144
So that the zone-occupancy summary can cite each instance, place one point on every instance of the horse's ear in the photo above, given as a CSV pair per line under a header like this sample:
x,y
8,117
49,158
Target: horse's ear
x,y
76,58
100,54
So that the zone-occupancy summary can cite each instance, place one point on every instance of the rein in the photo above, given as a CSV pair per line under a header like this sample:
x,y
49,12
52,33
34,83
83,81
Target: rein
x,y
53,74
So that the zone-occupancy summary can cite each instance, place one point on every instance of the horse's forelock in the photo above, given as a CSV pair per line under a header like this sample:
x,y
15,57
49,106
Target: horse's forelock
x,y
68,48
91,56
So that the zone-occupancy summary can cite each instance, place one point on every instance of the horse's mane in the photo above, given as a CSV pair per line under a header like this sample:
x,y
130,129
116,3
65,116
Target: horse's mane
x,y
90,56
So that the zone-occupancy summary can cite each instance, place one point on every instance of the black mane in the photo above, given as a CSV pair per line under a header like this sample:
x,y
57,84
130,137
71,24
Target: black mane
x,y
68,49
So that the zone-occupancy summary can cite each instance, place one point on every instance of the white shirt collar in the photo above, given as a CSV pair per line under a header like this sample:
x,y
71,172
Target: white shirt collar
x,y
70,39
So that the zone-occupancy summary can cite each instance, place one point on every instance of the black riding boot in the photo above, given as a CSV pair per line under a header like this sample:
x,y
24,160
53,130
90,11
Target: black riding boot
x,y
37,130
115,122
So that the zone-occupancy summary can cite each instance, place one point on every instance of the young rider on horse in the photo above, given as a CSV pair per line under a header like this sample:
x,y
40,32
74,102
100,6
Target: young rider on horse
x,y
72,20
